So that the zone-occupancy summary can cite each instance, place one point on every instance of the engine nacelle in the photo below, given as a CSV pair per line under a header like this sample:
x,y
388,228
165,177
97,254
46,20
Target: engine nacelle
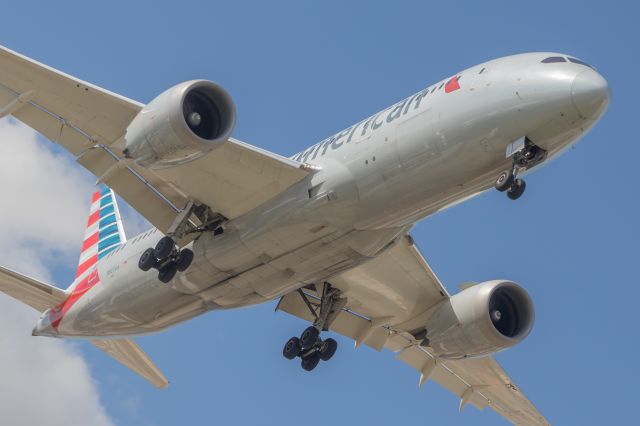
x,y
182,124
481,320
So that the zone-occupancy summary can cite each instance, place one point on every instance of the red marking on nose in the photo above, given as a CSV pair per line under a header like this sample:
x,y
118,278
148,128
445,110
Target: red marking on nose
x,y
452,85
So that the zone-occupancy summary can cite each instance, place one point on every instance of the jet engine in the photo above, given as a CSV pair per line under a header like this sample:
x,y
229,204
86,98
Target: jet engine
x,y
480,320
182,124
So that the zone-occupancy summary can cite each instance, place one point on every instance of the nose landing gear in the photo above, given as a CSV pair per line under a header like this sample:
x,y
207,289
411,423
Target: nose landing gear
x,y
309,346
166,258
526,157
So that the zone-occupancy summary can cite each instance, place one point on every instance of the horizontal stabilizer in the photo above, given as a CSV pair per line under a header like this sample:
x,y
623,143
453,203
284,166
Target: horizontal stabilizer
x,y
32,292
128,353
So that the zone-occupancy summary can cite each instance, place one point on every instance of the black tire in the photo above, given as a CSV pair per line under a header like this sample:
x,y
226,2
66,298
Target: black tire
x,y
147,260
309,337
310,362
505,181
328,349
292,348
164,247
517,189
167,273
184,259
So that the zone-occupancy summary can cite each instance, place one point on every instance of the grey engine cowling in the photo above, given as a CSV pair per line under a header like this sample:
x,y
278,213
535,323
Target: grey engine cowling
x,y
481,320
181,124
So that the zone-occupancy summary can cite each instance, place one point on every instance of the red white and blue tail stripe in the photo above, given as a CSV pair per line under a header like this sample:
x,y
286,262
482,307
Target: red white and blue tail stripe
x,y
104,230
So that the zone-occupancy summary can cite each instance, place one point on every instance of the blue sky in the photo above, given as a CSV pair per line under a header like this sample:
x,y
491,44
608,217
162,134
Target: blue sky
x,y
302,70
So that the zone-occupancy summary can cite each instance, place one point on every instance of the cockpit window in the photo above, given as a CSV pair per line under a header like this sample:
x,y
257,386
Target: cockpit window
x,y
552,59
578,61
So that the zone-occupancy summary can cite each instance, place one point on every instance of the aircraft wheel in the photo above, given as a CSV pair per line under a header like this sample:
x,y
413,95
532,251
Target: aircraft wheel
x,y
147,260
517,189
328,349
184,259
310,362
292,348
309,337
505,181
164,247
167,273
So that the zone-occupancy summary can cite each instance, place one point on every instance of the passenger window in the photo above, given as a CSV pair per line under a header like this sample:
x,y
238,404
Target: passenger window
x,y
553,59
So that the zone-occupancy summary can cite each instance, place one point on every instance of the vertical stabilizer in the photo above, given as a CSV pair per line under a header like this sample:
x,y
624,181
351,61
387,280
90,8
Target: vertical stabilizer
x,y
104,231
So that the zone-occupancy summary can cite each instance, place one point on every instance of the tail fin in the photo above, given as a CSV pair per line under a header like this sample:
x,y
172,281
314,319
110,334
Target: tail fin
x,y
104,231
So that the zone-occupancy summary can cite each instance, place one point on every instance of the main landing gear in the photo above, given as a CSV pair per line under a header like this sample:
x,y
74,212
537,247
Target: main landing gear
x,y
309,346
167,258
311,352
528,156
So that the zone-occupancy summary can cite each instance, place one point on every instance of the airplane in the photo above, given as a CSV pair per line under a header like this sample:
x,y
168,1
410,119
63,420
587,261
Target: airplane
x,y
326,231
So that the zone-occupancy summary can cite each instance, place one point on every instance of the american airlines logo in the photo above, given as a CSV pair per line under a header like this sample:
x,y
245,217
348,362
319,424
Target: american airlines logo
x,y
367,126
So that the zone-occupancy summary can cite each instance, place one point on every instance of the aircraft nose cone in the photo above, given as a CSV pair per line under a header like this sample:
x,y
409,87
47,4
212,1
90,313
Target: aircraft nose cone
x,y
590,94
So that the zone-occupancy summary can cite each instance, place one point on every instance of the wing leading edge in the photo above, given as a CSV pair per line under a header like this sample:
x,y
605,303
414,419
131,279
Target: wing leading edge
x,y
479,382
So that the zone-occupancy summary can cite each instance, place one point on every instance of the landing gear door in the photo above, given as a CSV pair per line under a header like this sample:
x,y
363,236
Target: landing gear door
x,y
515,147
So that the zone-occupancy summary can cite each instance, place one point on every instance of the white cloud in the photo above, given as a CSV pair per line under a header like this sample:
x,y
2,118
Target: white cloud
x,y
44,200
45,197
44,381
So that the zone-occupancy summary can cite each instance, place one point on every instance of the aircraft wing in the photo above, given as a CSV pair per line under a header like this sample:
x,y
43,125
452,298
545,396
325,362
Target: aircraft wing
x,y
90,123
127,352
34,293
379,312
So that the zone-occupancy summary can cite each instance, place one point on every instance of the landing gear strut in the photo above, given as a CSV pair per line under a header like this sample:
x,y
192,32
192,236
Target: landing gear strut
x,y
167,258
309,346
526,157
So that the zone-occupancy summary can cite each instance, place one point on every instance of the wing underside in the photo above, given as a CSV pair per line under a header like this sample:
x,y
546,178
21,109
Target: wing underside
x,y
91,124
479,382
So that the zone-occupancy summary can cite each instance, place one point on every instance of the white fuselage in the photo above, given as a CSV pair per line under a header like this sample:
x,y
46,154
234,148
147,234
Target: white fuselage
x,y
377,178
